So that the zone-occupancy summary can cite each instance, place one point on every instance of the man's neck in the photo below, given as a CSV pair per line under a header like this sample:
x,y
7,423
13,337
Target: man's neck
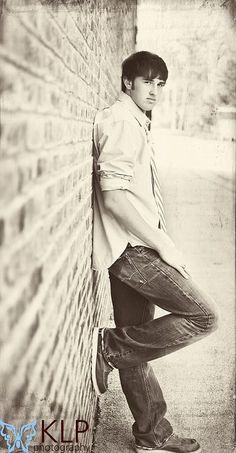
x,y
128,94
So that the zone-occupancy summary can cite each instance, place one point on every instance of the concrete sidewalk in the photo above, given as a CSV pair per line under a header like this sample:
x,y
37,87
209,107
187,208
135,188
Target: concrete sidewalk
x,y
197,180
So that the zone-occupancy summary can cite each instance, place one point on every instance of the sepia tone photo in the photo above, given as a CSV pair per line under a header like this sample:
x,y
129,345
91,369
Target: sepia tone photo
x,y
117,233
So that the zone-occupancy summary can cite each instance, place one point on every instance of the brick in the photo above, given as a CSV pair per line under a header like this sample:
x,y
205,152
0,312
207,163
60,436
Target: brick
x,y
9,181
13,134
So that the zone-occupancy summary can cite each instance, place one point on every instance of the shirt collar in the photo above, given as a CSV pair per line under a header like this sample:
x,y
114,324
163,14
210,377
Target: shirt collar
x,y
134,109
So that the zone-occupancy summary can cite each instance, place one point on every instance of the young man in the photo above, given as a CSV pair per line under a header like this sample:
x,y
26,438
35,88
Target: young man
x,y
145,268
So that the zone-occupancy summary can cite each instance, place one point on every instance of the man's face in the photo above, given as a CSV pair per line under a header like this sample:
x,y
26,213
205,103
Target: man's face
x,y
145,92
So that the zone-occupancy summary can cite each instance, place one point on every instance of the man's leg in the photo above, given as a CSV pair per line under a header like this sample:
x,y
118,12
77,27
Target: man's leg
x,y
192,316
192,313
139,383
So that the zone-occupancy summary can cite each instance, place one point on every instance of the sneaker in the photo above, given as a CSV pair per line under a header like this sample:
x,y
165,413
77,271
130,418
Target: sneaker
x,y
100,367
174,444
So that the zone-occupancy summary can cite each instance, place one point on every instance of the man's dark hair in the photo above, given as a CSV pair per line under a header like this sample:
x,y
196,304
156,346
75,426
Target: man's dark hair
x,y
143,64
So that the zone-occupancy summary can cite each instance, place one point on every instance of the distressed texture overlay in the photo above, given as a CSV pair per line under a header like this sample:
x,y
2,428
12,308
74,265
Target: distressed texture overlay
x,y
60,63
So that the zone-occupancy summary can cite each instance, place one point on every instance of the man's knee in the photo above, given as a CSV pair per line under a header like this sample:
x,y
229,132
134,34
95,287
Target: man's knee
x,y
208,321
213,316
213,320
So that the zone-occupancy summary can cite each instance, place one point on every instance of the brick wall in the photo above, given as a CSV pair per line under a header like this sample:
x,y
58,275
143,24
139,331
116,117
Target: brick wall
x,y
60,62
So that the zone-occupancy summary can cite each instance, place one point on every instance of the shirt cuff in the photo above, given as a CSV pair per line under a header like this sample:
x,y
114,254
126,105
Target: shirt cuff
x,y
114,183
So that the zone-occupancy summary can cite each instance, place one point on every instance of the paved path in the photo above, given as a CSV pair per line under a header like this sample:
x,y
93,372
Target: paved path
x,y
197,178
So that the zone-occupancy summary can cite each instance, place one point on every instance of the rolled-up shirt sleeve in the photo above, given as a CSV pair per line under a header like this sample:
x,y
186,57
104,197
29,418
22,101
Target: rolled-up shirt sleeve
x,y
115,165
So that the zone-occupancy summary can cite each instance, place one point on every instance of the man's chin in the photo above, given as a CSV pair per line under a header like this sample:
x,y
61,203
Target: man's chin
x,y
150,108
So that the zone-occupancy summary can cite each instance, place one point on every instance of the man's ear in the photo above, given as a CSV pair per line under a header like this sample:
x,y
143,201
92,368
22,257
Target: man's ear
x,y
127,83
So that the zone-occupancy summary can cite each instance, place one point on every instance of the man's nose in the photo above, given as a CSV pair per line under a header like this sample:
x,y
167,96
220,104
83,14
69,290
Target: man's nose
x,y
153,89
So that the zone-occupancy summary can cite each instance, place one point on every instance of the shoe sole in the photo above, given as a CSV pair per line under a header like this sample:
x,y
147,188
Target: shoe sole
x,y
143,450
94,360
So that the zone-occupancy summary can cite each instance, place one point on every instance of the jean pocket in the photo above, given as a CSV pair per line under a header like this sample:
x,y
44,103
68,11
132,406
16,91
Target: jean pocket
x,y
125,270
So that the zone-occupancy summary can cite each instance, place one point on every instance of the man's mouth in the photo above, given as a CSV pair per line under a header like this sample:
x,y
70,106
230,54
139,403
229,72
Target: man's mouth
x,y
151,99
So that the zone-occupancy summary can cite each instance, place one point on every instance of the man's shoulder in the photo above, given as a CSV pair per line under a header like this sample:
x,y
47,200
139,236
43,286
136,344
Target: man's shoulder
x,y
114,113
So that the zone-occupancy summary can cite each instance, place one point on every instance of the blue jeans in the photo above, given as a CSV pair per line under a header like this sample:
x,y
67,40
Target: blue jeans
x,y
140,279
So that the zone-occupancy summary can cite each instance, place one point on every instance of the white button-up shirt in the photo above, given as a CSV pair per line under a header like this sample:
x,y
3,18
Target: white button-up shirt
x,y
121,161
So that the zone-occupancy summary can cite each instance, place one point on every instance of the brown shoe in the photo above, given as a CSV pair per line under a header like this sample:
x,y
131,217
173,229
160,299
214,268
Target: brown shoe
x,y
100,367
174,444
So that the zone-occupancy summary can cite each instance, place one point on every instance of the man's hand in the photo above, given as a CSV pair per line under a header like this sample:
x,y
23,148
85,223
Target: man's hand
x,y
117,205
172,256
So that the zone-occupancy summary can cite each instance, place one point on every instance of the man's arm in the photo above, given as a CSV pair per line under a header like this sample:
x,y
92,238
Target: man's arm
x,y
117,205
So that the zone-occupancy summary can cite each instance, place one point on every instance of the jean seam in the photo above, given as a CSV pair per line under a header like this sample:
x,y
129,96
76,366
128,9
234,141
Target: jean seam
x,y
180,339
142,372
176,284
146,385
118,355
174,343
149,402
137,269
129,258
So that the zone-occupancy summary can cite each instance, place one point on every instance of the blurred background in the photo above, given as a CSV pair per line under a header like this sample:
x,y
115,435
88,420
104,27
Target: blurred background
x,y
197,41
